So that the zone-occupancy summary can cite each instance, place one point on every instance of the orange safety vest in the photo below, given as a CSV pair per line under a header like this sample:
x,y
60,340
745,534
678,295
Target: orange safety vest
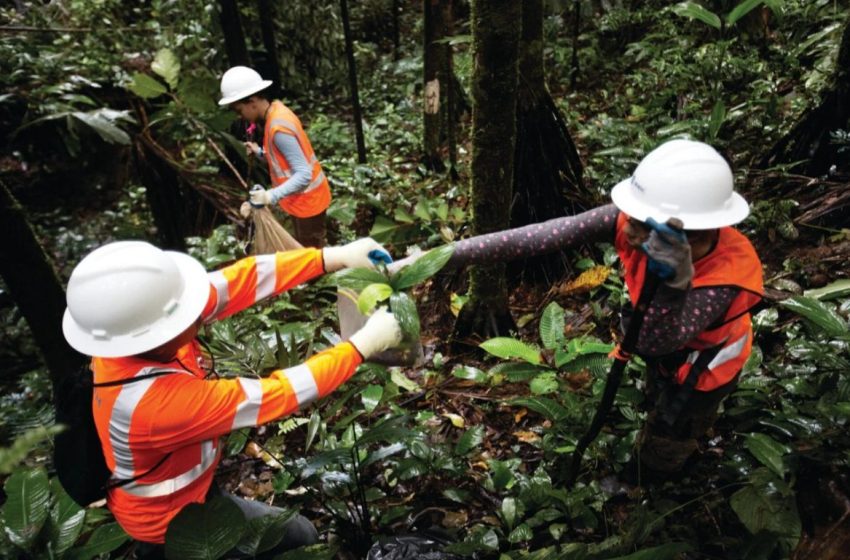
x,y
732,263
316,198
177,420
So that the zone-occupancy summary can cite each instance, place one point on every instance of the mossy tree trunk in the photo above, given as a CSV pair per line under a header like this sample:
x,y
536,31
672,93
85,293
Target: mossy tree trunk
x,y
547,168
434,86
234,37
34,286
495,43
810,141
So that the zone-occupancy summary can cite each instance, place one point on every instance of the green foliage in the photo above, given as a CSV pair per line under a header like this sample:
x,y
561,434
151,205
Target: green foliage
x,y
204,531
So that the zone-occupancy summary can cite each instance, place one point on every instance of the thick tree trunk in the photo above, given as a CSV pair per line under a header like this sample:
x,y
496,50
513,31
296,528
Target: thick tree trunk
x,y
234,37
166,201
352,80
451,120
35,287
266,11
434,84
547,168
809,141
495,36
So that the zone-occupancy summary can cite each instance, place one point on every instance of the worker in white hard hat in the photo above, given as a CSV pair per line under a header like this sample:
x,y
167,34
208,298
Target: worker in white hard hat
x,y
136,310
299,185
696,333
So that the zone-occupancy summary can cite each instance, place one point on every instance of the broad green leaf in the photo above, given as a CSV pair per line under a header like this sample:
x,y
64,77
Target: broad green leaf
x,y
761,508
741,10
768,451
816,312
695,11
390,430
509,512
371,295
166,65
470,373
66,520
502,474
552,326
543,406
404,309
510,348
837,289
103,540
103,123
669,551
423,268
383,228
312,429
358,278
27,506
371,397
146,87
400,379
718,115
544,383
264,532
517,372
471,439
236,442
382,453
204,531
521,533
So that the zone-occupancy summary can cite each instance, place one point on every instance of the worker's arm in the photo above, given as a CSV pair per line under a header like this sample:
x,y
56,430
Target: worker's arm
x,y
289,147
255,278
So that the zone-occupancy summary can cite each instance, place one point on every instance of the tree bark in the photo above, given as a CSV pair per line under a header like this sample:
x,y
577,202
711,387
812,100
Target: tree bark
x,y
234,37
352,80
451,120
266,11
166,201
495,40
34,286
434,84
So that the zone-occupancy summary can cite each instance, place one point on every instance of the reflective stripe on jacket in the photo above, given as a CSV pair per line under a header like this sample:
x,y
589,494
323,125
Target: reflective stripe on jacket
x,y
182,416
733,262
314,199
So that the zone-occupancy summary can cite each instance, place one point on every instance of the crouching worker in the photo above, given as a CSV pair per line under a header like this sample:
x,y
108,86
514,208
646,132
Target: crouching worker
x,y
136,310
696,334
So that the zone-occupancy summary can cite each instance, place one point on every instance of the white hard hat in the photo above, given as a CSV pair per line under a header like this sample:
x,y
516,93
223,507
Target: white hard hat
x,y
686,180
129,297
240,82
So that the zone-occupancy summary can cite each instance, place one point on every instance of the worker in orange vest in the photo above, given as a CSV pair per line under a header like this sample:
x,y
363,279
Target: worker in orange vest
x,y
136,310
696,334
300,187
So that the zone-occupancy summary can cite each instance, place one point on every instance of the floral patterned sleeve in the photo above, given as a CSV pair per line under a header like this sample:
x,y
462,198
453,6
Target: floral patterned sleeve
x,y
538,239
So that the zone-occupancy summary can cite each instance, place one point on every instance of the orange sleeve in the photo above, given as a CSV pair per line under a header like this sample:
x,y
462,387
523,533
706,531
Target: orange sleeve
x,y
255,278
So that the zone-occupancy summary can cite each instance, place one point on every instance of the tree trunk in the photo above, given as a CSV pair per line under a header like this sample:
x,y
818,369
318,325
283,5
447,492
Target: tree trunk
x,y
396,6
166,201
495,38
547,169
352,79
574,68
809,142
434,84
34,286
266,11
234,37
451,120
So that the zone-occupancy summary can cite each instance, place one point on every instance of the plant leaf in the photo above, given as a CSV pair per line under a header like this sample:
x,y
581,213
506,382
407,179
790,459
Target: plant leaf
x,y
103,540
509,348
312,429
66,520
470,439
371,397
817,313
146,87
552,326
741,10
264,532
423,268
669,551
404,309
718,115
166,65
544,406
695,11
358,278
371,295
544,383
103,124
837,289
204,531
27,506
768,451
761,508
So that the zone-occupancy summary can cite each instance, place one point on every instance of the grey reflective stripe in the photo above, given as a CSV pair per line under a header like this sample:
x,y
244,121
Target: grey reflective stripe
x,y
729,352
248,410
314,160
209,454
219,282
122,414
266,267
303,384
315,183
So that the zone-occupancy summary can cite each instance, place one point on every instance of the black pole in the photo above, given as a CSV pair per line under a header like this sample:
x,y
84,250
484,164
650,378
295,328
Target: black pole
x,y
352,78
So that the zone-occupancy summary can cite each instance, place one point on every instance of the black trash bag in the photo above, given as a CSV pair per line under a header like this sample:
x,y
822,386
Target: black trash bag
x,y
423,546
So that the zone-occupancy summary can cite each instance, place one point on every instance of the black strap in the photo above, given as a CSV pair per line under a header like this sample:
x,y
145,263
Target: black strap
x,y
677,403
125,481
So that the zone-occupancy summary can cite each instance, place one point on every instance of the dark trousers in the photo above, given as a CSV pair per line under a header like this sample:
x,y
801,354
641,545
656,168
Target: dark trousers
x,y
298,531
677,418
310,232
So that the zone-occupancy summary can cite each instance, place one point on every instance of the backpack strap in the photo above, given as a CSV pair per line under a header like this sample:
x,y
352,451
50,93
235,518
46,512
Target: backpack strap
x,y
124,481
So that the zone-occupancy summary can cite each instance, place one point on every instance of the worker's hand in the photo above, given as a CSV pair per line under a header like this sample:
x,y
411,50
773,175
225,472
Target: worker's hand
x,y
363,253
259,197
669,246
253,148
246,209
380,332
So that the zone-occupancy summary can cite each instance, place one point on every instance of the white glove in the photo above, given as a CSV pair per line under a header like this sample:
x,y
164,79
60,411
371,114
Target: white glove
x,y
380,332
246,209
673,251
260,197
353,255
395,266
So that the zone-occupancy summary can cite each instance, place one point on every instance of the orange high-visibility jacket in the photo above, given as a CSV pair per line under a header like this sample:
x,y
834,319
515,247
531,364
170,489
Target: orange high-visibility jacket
x,y
184,415
732,263
316,198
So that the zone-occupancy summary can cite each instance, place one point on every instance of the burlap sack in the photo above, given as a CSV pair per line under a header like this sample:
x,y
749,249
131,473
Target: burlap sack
x,y
269,235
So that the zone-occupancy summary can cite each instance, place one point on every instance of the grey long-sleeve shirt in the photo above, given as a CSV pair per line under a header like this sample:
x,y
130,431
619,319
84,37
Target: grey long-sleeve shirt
x,y
289,147
673,318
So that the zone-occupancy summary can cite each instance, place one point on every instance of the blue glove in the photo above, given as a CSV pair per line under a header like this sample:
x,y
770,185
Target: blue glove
x,y
378,256
669,253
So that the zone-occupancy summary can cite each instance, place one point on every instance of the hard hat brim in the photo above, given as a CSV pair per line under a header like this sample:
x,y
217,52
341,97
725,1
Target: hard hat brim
x,y
196,292
242,94
622,195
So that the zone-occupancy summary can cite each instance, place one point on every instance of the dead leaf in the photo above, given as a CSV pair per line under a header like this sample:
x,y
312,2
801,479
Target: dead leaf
x,y
520,415
526,436
586,281
455,519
